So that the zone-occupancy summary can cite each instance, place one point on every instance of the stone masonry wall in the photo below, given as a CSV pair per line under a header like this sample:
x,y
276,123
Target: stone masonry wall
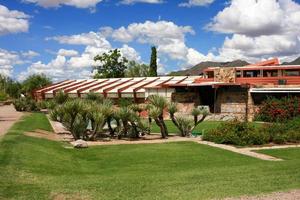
x,y
226,75
232,102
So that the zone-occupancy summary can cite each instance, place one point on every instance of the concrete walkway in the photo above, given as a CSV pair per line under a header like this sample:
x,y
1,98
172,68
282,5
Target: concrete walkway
x,y
249,151
8,116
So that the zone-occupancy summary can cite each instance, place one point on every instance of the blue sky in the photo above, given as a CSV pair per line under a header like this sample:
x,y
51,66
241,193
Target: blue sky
x,y
60,37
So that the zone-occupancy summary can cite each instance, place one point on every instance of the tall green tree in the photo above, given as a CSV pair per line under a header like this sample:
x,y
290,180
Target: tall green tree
x,y
153,62
137,70
113,65
34,82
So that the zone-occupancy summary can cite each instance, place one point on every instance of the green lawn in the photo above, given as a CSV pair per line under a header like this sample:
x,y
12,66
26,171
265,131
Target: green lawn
x,y
32,168
202,127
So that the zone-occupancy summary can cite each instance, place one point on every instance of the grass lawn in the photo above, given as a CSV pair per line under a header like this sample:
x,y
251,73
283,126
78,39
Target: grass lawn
x,y
32,168
202,127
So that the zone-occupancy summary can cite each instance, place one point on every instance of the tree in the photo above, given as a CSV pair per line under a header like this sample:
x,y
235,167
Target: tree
x,y
9,87
113,65
153,62
34,82
137,70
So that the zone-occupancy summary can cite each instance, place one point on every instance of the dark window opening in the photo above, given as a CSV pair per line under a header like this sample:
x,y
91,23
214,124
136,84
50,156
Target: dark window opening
x,y
292,72
238,74
251,73
210,74
270,73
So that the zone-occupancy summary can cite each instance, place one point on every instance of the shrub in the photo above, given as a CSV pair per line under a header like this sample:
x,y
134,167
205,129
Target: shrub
x,y
3,96
236,133
60,97
25,104
278,110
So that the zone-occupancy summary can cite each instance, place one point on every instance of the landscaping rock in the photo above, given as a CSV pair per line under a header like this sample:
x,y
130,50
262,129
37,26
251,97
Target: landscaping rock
x,y
80,144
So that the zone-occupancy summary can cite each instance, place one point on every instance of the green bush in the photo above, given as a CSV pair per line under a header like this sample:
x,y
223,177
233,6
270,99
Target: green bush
x,y
3,96
236,133
278,110
25,104
242,133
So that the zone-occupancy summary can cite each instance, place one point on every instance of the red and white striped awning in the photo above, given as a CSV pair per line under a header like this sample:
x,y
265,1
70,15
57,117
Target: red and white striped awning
x,y
113,87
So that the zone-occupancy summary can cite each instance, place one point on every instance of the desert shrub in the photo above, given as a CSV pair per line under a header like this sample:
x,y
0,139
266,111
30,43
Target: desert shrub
x,y
236,133
278,110
91,96
60,97
281,133
3,96
42,104
25,104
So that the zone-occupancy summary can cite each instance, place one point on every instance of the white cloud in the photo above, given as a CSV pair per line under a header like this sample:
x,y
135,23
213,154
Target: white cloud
x,y
67,52
30,54
57,3
8,59
12,21
141,1
167,36
261,29
88,39
191,3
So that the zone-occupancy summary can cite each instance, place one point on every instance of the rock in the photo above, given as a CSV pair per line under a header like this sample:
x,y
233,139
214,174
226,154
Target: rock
x,y
80,144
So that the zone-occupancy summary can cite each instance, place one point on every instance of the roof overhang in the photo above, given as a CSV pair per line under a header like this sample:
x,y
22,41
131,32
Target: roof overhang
x,y
275,90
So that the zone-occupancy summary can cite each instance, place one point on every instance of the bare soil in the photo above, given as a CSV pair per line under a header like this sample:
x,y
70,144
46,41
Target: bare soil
x,y
291,195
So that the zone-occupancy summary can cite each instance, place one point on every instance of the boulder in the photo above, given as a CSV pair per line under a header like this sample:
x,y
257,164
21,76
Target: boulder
x,y
80,144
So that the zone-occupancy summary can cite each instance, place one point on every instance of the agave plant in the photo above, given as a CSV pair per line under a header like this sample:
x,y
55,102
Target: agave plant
x,y
60,98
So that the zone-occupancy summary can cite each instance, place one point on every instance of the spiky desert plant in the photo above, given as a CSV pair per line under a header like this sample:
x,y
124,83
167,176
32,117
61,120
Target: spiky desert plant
x,y
106,108
155,113
199,111
74,118
91,96
186,125
60,97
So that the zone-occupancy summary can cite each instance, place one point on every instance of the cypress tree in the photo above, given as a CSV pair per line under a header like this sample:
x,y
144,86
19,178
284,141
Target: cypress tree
x,y
153,64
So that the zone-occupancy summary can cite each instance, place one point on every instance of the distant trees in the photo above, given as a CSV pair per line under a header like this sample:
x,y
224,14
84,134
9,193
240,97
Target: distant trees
x,y
137,70
153,62
34,82
113,65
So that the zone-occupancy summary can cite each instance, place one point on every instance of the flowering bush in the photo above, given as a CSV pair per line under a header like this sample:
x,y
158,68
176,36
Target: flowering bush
x,y
278,110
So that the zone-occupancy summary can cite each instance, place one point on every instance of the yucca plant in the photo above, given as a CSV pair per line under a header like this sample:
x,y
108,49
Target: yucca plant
x,y
184,124
106,108
91,96
199,111
60,97
74,118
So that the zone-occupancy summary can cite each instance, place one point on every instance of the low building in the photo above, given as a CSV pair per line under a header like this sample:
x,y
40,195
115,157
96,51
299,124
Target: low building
x,y
236,91
137,89
239,91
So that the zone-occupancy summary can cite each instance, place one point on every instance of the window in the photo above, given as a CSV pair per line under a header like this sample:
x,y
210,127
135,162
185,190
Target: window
x,y
210,74
238,74
271,73
292,72
251,73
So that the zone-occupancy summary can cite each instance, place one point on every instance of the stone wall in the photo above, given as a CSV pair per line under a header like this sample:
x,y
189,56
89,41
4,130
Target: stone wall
x,y
225,74
235,102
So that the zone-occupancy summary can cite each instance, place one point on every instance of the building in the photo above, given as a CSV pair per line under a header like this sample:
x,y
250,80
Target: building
x,y
239,91
235,91
137,89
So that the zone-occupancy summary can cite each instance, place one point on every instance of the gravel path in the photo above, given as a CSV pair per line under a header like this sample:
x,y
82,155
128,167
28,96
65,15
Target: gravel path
x,y
8,116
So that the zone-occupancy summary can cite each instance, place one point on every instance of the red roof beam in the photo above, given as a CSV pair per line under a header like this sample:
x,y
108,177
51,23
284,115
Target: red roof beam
x,y
112,87
77,86
127,86
68,86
